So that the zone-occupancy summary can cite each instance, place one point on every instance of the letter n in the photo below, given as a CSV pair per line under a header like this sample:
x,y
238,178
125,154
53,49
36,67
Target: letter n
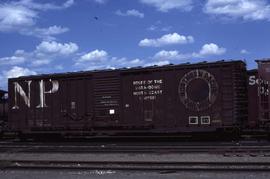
x,y
19,90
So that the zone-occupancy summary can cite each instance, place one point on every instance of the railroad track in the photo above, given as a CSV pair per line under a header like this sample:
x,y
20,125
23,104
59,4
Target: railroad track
x,y
253,150
135,156
135,165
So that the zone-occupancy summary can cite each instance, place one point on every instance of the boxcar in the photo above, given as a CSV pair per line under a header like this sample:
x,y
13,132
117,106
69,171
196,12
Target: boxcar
x,y
182,98
3,109
264,97
3,104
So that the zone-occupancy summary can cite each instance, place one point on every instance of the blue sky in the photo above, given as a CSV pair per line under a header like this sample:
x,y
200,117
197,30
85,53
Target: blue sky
x,y
46,36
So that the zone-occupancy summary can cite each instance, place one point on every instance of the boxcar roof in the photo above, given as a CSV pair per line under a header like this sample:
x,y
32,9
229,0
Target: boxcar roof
x,y
132,69
264,60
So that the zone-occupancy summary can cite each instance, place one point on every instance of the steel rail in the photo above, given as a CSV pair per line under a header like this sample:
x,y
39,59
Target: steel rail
x,y
126,149
134,165
227,152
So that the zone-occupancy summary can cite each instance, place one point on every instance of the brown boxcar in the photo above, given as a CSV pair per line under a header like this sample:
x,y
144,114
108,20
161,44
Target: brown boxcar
x,y
264,88
169,99
3,104
3,109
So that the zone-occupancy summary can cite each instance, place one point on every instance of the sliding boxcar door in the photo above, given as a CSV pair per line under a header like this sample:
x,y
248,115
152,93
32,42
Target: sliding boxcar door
x,y
75,98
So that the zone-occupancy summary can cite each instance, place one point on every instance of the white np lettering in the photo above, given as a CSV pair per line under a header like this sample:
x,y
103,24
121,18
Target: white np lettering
x,y
19,90
43,92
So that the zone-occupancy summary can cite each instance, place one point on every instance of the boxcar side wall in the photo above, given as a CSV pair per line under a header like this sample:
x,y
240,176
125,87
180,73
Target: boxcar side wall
x,y
253,99
106,100
3,111
197,98
264,88
188,98
49,104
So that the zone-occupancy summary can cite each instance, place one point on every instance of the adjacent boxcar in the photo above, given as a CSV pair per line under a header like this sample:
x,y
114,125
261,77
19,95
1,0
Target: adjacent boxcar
x,y
3,104
169,99
264,97
3,109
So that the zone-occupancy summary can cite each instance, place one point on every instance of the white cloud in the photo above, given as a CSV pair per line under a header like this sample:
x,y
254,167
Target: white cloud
x,y
135,61
100,59
167,5
59,67
168,39
17,71
157,28
68,3
165,57
152,28
158,63
100,1
13,60
41,62
14,72
21,16
43,59
45,53
131,12
16,17
96,59
169,55
166,29
43,6
175,55
125,62
96,55
245,9
45,33
211,49
52,47
52,30
244,51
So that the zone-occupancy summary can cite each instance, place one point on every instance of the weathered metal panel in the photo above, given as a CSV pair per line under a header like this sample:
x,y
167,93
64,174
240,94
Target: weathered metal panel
x,y
264,87
3,110
73,102
142,97
50,103
166,99
253,98
106,96
17,118
3,105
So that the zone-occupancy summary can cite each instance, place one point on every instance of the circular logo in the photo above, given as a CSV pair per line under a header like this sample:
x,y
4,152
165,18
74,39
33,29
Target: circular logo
x,y
198,90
